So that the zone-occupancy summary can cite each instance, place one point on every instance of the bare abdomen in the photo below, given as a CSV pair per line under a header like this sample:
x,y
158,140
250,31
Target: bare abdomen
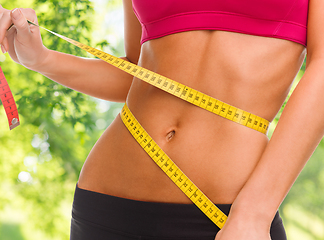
x,y
216,154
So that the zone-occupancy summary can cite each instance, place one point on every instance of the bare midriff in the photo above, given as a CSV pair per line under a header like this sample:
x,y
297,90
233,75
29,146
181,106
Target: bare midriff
x,y
249,72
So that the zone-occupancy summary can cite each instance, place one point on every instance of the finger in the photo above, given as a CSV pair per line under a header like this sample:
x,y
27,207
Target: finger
x,y
5,22
30,14
5,44
20,22
11,49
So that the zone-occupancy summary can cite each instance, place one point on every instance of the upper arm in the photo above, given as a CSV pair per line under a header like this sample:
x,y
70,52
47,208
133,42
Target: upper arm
x,y
132,32
315,31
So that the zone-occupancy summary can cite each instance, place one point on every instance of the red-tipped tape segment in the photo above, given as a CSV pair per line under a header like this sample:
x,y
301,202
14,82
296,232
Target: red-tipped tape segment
x,y
8,102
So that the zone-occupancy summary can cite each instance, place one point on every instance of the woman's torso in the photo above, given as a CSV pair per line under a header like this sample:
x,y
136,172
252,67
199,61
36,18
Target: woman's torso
x,y
249,72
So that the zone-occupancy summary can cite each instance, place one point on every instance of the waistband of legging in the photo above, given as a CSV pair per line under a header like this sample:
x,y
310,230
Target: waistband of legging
x,y
144,218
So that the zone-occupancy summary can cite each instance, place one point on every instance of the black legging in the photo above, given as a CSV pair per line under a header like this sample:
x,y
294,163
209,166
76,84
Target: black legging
x,y
97,216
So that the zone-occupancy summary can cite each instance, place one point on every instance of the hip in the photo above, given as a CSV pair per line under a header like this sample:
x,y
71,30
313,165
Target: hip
x,y
100,216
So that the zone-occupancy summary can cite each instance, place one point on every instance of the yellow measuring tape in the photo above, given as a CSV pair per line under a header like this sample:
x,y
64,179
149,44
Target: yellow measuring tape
x,y
182,91
171,169
190,95
177,89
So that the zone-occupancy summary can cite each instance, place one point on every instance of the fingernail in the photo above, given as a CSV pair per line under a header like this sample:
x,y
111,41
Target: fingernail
x,y
16,14
3,49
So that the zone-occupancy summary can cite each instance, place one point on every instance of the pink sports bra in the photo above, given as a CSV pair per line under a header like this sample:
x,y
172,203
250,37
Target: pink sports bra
x,y
285,19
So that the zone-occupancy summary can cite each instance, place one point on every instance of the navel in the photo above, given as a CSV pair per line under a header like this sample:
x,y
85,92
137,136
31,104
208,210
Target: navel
x,y
170,135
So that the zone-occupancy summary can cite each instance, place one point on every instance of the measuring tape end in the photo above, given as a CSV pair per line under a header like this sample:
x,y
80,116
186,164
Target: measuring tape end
x,y
12,126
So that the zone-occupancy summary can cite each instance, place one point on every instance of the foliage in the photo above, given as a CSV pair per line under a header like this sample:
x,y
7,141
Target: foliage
x,y
41,159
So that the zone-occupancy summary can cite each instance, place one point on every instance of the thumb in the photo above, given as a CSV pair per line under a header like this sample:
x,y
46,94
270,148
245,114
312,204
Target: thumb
x,y
19,21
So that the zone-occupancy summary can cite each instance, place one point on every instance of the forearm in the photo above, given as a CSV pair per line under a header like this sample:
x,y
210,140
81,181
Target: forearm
x,y
296,136
90,76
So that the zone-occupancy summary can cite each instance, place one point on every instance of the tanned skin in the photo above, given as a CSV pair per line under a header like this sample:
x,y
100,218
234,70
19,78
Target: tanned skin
x,y
230,163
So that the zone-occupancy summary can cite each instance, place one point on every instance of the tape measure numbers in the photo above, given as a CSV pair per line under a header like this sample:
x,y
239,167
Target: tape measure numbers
x,y
171,169
182,91
8,102
177,89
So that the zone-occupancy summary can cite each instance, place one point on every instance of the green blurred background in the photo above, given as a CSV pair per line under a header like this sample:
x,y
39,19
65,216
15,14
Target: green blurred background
x,y
40,160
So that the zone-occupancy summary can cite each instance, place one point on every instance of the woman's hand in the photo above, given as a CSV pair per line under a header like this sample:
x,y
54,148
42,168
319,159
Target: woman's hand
x,y
242,229
238,235
23,41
